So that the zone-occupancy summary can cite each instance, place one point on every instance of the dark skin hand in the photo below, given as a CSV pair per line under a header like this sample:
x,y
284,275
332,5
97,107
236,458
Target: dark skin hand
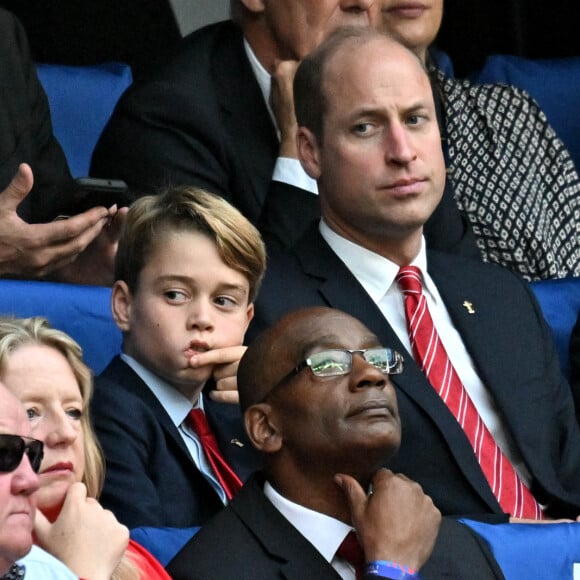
x,y
38,250
397,522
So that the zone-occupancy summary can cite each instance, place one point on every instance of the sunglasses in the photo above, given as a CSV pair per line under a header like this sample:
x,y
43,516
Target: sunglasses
x,y
13,448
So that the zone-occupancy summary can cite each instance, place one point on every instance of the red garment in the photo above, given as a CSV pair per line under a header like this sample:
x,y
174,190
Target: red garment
x,y
148,565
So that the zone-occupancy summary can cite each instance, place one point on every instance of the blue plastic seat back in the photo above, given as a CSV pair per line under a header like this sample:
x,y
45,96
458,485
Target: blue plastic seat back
x,y
553,83
81,100
83,312
560,303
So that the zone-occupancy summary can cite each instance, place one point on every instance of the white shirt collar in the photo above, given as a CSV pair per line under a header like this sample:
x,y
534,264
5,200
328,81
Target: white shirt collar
x,y
323,532
374,272
264,80
175,404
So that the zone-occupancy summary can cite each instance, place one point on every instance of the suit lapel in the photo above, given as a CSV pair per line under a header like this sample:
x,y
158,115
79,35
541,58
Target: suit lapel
x,y
227,426
297,558
340,289
244,111
131,381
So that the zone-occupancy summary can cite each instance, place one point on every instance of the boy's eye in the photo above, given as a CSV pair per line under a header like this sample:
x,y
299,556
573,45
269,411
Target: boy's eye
x,y
175,295
225,301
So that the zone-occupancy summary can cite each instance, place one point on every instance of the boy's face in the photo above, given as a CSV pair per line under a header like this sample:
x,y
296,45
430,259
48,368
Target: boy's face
x,y
187,301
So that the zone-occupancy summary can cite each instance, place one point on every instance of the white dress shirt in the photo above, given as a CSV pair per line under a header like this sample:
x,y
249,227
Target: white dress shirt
x,y
286,170
40,565
178,407
323,532
377,276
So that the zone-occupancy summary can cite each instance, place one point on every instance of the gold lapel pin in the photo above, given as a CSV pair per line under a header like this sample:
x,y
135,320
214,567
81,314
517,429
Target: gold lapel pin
x,y
469,307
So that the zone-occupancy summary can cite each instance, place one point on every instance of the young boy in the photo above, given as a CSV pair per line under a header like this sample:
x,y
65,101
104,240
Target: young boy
x,y
187,271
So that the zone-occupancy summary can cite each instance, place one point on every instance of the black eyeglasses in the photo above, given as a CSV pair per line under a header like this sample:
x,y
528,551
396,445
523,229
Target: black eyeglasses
x,y
335,362
12,449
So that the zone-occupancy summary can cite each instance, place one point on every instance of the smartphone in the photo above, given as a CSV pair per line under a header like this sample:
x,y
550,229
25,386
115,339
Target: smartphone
x,y
103,192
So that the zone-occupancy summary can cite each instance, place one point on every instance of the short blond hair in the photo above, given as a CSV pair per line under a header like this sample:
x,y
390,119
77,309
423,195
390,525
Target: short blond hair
x,y
178,209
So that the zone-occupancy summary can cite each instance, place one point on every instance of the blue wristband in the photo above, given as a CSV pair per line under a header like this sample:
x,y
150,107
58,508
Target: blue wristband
x,y
391,570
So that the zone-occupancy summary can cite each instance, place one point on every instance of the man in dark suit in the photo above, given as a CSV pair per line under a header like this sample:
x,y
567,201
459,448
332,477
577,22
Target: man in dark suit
x,y
373,147
218,115
323,430
29,247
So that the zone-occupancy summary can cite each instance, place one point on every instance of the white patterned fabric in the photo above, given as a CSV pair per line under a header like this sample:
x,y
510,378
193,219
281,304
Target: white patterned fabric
x,y
513,178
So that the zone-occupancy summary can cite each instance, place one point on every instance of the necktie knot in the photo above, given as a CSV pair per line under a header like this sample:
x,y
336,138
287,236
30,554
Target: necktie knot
x,y
409,280
351,551
199,423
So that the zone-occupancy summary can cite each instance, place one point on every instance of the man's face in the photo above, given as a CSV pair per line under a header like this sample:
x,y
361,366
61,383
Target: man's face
x,y
380,165
298,26
413,24
330,423
187,301
17,488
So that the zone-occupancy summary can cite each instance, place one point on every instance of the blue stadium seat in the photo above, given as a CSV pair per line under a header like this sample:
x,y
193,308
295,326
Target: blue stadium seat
x,y
81,100
560,303
83,312
553,83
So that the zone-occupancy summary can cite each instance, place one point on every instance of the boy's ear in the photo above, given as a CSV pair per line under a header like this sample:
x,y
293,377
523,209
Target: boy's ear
x,y
121,305
249,315
262,428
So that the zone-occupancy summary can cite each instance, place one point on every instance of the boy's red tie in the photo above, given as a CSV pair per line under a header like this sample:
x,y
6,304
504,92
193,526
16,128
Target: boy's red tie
x,y
227,478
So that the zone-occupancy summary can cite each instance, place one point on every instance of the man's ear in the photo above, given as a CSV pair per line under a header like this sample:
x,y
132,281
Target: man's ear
x,y
121,305
254,6
308,152
262,429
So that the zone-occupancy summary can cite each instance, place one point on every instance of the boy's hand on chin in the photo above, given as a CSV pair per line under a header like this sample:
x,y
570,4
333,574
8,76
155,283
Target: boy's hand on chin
x,y
225,362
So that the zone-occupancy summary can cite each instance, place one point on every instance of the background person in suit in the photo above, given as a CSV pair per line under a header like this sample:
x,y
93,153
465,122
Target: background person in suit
x,y
323,440
374,148
36,186
188,268
217,116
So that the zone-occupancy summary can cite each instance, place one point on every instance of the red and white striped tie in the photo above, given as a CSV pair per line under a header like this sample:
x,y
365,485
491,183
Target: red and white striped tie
x,y
513,496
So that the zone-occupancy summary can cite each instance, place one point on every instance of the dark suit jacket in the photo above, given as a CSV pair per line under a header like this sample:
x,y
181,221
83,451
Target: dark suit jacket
x,y
26,130
512,350
262,544
201,120
151,479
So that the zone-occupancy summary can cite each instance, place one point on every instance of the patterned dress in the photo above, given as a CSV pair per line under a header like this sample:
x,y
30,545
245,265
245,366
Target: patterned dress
x,y
512,177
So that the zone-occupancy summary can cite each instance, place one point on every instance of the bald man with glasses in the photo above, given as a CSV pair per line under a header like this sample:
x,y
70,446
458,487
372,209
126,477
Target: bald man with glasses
x,y
320,406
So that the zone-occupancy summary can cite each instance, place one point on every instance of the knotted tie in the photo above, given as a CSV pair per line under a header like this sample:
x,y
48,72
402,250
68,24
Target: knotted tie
x,y
351,551
227,478
513,496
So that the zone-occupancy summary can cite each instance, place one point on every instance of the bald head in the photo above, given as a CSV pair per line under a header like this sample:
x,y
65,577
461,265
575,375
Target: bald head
x,y
310,99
